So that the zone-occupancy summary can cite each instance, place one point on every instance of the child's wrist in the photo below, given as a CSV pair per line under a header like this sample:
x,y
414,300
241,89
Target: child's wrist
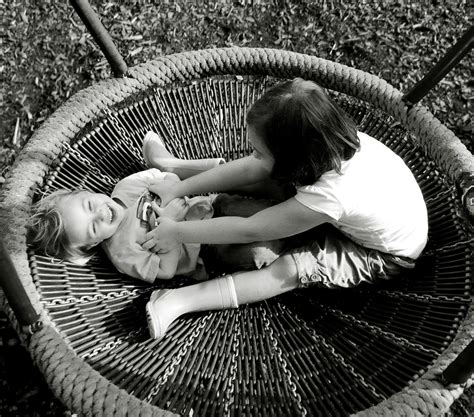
x,y
175,231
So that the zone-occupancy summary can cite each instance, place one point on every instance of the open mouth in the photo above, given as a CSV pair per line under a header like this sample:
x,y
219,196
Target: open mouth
x,y
111,214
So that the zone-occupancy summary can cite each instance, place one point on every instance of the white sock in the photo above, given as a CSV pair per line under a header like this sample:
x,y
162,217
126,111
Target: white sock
x,y
165,306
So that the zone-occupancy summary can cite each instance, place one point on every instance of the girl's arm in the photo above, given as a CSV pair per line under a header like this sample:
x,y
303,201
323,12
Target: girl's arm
x,y
285,219
244,171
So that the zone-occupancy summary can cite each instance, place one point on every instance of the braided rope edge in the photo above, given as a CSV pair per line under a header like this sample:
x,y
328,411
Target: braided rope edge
x,y
90,104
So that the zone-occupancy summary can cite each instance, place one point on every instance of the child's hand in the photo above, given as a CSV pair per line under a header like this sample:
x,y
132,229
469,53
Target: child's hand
x,y
170,176
165,190
162,238
176,210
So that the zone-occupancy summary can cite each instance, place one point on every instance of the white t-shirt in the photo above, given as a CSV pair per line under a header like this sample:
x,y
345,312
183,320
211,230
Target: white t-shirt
x,y
376,201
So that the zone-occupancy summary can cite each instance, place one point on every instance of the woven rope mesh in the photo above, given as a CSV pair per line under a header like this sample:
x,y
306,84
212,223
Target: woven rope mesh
x,y
309,352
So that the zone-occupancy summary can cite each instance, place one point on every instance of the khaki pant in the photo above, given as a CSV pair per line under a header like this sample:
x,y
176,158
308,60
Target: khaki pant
x,y
332,260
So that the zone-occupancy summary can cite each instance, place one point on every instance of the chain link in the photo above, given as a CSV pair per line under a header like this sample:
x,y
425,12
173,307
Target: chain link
x,y
233,371
277,349
341,359
449,247
388,335
91,167
421,297
449,192
124,135
177,359
111,345
124,138
91,298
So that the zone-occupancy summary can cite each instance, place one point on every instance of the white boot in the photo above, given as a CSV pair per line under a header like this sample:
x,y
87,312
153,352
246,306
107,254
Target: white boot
x,y
167,305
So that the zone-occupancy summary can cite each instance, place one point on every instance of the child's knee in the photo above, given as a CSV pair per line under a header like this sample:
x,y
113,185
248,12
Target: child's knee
x,y
284,269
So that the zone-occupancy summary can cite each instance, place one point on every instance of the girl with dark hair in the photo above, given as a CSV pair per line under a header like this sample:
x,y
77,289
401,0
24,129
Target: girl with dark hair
x,y
306,133
360,205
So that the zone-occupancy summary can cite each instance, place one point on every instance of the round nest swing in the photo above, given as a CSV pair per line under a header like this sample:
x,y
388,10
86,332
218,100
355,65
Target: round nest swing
x,y
373,350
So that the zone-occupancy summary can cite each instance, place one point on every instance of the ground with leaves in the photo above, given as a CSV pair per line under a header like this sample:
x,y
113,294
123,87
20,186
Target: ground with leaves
x,y
47,56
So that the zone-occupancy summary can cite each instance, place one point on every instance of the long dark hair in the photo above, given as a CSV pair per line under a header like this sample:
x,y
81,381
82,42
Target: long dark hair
x,y
306,132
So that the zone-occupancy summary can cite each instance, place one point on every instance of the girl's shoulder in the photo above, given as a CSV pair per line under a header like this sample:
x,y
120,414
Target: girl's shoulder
x,y
367,141
372,149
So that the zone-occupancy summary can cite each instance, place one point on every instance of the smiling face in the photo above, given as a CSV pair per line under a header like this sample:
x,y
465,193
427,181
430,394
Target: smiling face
x,y
90,218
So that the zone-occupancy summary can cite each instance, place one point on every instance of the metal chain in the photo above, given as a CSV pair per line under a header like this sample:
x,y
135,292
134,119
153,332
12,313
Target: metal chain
x,y
449,192
97,297
111,345
177,359
388,335
421,297
342,360
233,371
291,384
91,167
124,135
447,248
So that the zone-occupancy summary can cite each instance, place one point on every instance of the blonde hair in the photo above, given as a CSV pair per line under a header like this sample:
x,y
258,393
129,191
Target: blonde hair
x,y
46,231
